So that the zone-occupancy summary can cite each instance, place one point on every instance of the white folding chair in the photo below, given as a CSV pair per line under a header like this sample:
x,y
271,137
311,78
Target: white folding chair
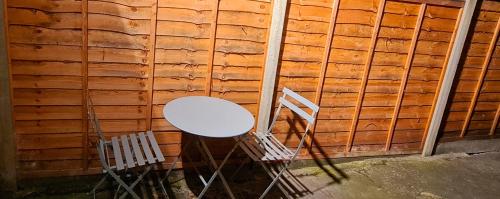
x,y
143,144
264,147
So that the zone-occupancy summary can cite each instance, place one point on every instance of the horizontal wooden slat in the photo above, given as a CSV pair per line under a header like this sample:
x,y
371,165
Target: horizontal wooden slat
x,y
52,141
46,68
47,112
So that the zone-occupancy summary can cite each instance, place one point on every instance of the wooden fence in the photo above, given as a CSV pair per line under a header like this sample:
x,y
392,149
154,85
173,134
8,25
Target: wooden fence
x,y
474,109
374,66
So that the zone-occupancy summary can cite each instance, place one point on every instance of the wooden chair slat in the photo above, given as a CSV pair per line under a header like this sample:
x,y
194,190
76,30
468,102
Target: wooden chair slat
x,y
118,154
137,150
156,148
297,110
301,99
146,149
129,158
272,149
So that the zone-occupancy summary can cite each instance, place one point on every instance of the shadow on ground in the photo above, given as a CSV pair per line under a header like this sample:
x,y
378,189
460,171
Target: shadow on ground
x,y
456,175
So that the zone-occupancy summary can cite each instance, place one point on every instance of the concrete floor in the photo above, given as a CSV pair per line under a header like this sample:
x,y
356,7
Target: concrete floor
x,y
452,175
442,176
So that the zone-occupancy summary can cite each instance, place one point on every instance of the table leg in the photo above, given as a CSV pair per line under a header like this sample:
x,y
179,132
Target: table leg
x,y
176,160
218,168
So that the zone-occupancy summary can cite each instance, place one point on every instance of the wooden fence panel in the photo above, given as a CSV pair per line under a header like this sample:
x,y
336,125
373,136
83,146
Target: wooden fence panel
x,y
349,55
474,103
45,50
373,70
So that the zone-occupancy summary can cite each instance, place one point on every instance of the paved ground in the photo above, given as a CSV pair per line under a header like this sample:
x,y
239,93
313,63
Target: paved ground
x,y
455,175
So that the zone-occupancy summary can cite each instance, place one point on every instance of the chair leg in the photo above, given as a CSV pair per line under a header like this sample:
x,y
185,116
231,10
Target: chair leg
x,y
176,160
103,179
298,181
239,168
162,187
270,174
276,178
139,179
123,184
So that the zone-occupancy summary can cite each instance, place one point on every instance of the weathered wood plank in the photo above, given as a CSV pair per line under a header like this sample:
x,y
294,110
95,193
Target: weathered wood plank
x,y
40,35
47,5
151,60
271,64
84,72
366,72
46,68
47,97
404,80
324,63
119,10
211,48
495,122
449,74
20,16
8,160
480,82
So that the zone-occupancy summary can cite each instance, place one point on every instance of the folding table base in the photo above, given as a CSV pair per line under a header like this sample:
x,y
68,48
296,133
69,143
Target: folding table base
x,y
213,164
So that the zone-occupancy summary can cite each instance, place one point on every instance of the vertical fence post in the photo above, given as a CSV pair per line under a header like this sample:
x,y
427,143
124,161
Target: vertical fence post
x,y
441,77
151,63
7,136
211,48
271,65
85,93
451,69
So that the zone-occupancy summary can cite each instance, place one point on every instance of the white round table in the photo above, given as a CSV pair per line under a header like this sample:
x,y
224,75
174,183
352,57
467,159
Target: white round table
x,y
208,117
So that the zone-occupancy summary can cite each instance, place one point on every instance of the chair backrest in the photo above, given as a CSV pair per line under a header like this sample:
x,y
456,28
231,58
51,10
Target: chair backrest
x,y
284,102
93,120
101,145
309,117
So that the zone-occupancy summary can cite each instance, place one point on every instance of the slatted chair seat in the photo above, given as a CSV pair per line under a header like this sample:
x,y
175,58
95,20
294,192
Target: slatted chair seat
x,y
262,147
136,150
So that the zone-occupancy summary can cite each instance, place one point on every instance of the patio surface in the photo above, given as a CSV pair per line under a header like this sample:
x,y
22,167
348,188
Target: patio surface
x,y
454,175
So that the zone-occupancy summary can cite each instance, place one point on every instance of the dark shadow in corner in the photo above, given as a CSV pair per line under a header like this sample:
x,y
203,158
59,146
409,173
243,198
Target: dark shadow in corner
x,y
460,70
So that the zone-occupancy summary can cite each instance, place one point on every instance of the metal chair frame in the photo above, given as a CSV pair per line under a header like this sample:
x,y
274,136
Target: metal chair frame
x,y
104,147
264,147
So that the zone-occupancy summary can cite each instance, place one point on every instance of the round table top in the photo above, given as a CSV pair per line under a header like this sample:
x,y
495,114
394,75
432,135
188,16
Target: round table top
x,y
208,116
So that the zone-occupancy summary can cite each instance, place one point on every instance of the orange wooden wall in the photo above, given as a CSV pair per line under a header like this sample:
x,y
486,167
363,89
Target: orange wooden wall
x,y
348,67
133,56
474,93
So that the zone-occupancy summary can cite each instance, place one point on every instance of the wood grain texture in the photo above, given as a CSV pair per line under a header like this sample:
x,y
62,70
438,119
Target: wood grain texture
x,y
84,73
448,53
271,64
364,81
449,76
406,73
480,82
494,125
140,56
8,160
324,63
151,61
211,49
